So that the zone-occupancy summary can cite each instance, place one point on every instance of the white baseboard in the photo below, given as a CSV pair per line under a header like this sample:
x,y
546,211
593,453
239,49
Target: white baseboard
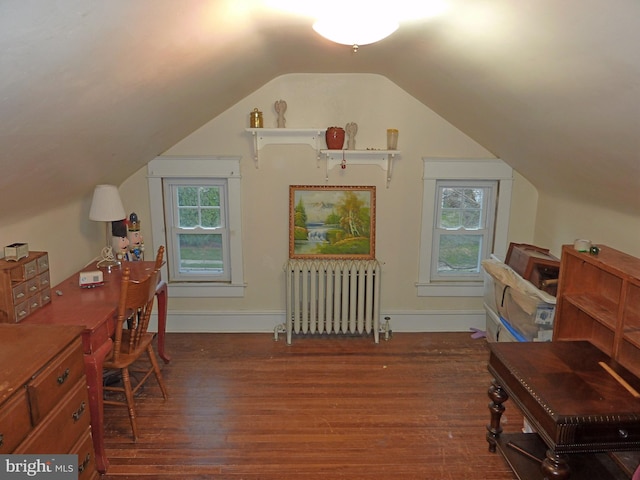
x,y
257,322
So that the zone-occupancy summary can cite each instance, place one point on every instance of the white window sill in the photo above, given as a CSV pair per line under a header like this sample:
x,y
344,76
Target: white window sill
x,y
194,290
475,289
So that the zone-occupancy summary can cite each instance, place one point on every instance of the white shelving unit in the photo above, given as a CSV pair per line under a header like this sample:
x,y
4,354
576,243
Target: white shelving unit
x,y
286,136
314,137
382,158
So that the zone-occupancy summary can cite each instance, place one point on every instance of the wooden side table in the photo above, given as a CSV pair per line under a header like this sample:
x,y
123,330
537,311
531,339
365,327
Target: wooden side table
x,y
577,399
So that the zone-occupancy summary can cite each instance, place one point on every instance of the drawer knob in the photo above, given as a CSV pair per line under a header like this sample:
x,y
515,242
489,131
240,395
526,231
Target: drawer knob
x,y
623,433
78,413
63,378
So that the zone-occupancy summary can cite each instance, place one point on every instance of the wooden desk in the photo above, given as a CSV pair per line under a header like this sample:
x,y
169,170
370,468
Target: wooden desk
x,y
95,309
572,402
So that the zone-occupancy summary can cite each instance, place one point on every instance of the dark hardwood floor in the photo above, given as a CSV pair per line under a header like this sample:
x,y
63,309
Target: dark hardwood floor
x,y
242,406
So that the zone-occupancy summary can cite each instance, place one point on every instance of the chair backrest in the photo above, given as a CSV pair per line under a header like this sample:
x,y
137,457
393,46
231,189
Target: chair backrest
x,y
159,257
134,308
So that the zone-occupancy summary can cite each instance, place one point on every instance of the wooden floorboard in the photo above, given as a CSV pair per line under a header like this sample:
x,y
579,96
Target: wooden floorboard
x,y
243,407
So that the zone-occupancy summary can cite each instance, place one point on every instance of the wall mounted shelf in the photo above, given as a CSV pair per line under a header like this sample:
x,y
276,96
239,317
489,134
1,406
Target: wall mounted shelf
x,y
314,137
272,136
383,158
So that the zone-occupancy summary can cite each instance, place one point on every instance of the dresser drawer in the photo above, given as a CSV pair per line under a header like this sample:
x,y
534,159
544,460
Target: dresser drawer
x,y
15,421
52,383
60,430
86,456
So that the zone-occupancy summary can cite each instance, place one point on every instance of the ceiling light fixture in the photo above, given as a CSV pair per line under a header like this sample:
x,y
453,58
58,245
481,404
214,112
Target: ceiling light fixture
x,y
360,22
355,31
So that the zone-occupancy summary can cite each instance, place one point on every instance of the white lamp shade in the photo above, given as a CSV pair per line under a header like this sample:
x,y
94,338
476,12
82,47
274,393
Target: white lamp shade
x,y
106,205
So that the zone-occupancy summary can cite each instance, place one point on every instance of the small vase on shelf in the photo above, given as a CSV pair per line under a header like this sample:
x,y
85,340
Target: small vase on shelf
x,y
335,138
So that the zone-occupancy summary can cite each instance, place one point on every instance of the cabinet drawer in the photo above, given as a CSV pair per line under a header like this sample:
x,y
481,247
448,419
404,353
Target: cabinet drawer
x,y
86,457
32,286
43,280
45,296
25,271
52,383
59,431
21,310
15,421
43,263
19,293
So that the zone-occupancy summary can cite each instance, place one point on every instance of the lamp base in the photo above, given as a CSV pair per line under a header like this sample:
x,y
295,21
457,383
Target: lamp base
x,y
108,264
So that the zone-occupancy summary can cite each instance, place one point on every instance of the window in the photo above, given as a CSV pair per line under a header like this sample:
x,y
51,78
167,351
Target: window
x,y
465,218
196,216
195,212
463,230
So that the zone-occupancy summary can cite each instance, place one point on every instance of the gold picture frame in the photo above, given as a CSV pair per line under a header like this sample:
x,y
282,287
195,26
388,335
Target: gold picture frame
x,y
332,222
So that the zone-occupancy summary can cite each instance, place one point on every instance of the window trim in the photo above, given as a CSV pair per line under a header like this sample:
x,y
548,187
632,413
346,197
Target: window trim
x,y
460,169
227,167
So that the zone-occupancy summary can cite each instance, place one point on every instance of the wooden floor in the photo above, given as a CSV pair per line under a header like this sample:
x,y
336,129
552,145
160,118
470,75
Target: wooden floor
x,y
245,407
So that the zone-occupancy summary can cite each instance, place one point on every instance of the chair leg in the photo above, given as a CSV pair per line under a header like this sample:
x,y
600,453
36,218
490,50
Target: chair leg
x,y
128,393
156,370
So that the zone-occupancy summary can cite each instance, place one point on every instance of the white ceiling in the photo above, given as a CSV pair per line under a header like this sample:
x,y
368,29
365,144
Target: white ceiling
x,y
90,90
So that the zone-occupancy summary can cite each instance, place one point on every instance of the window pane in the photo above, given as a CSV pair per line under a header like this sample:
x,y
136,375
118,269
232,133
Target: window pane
x,y
187,196
459,253
461,208
201,253
188,217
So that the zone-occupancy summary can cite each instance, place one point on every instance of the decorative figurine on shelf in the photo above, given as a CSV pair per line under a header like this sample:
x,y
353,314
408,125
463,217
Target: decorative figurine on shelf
x,y
119,240
281,107
351,129
136,243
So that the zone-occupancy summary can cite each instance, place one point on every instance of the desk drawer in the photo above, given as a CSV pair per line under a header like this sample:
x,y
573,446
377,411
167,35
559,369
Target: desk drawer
x,y
58,432
612,433
15,421
56,380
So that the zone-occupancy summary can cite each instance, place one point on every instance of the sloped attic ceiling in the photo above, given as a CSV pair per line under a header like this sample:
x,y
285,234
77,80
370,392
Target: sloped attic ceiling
x,y
90,91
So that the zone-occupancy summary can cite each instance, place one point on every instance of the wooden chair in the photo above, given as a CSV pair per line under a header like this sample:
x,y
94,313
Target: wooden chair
x,y
132,341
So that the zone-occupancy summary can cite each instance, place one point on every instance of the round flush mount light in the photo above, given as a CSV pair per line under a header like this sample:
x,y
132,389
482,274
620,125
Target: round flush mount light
x,y
355,31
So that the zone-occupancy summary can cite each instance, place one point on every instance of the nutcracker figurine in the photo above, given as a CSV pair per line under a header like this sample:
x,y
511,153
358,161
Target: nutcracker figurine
x,y
136,243
119,240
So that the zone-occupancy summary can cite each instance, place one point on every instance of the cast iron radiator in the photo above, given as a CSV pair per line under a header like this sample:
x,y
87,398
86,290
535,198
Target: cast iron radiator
x,y
333,297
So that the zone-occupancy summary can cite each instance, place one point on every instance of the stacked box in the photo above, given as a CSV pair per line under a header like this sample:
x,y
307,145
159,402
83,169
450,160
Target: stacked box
x,y
526,311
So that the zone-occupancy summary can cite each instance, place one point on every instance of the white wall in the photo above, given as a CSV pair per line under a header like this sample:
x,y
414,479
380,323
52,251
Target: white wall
x,y
560,221
319,101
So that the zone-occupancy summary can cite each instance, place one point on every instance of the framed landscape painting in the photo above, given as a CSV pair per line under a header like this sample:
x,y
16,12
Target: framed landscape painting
x,y
332,222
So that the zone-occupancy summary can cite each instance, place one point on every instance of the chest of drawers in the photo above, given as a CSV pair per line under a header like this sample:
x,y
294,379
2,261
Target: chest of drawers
x,y
44,403
24,286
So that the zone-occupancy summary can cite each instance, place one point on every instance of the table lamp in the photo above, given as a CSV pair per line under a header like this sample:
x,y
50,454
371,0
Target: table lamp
x,y
107,207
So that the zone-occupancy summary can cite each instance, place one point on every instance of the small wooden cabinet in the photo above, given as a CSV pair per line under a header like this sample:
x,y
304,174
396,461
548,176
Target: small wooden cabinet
x,y
44,402
599,301
24,286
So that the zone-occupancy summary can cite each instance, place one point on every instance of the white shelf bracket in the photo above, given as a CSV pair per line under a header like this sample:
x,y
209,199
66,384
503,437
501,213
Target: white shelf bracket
x,y
382,158
283,136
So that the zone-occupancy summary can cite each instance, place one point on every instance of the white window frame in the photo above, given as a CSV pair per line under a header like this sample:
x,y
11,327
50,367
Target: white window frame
x,y
199,167
174,230
460,169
